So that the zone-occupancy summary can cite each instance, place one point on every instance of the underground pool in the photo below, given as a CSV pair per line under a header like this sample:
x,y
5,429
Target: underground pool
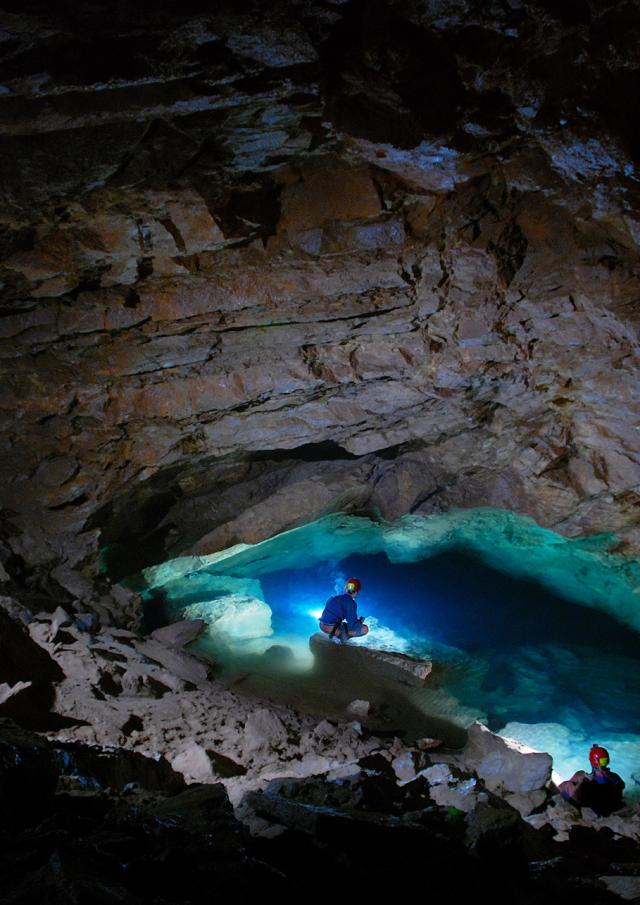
x,y
533,634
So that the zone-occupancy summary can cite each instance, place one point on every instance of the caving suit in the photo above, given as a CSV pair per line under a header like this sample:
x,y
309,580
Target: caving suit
x,y
341,610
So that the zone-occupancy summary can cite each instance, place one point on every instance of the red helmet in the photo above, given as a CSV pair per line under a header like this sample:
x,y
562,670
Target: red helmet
x,y
598,757
352,585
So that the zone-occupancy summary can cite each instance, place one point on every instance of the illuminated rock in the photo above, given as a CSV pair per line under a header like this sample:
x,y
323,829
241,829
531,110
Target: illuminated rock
x,y
263,728
504,764
194,764
626,887
359,709
404,766
235,617
11,691
397,667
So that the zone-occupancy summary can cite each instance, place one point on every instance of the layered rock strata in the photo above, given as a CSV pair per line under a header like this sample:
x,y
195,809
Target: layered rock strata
x,y
262,265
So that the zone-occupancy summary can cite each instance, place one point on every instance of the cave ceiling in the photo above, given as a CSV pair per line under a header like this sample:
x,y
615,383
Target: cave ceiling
x,y
265,261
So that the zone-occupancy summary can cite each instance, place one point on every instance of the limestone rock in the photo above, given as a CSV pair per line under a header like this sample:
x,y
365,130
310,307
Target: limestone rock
x,y
86,622
309,765
59,619
248,280
194,764
15,610
353,295
627,888
404,766
503,763
359,709
437,774
11,691
526,802
182,665
263,728
393,666
462,796
325,729
179,634
496,827
234,617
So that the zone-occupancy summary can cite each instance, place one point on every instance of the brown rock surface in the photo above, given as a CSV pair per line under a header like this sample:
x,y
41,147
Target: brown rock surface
x,y
274,266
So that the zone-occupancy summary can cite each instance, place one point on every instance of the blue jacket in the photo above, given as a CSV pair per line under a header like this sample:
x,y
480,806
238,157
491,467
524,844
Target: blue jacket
x,y
341,608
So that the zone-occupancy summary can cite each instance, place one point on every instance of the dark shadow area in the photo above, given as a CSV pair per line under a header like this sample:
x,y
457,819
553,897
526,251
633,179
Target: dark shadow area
x,y
24,661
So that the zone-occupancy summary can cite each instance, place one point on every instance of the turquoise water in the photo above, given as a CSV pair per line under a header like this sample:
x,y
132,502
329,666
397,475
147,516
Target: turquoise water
x,y
531,648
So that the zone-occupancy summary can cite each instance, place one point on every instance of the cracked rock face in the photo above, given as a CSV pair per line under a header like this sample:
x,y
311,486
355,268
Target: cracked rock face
x,y
261,264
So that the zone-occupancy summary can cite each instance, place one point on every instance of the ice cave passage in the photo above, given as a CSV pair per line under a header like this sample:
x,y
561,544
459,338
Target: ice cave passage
x,y
536,634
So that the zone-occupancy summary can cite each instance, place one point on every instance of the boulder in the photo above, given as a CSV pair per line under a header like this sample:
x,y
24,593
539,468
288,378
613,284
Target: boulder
x,y
263,728
462,796
234,617
503,763
359,709
178,634
437,774
180,664
309,765
493,832
404,766
198,808
194,764
15,610
59,619
381,663
627,888
117,769
526,802
87,622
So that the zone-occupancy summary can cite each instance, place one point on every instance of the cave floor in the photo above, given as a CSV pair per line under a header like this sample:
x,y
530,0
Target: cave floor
x,y
327,694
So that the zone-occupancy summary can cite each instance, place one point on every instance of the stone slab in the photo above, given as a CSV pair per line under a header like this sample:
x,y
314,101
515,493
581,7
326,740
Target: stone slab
x,y
389,665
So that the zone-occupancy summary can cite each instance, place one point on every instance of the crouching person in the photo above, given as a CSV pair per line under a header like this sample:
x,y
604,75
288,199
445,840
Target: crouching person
x,y
340,618
601,790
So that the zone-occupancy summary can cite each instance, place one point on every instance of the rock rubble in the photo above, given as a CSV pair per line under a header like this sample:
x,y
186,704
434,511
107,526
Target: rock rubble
x,y
144,724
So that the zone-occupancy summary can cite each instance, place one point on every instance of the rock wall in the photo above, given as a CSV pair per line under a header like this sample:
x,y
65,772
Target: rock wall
x,y
268,262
